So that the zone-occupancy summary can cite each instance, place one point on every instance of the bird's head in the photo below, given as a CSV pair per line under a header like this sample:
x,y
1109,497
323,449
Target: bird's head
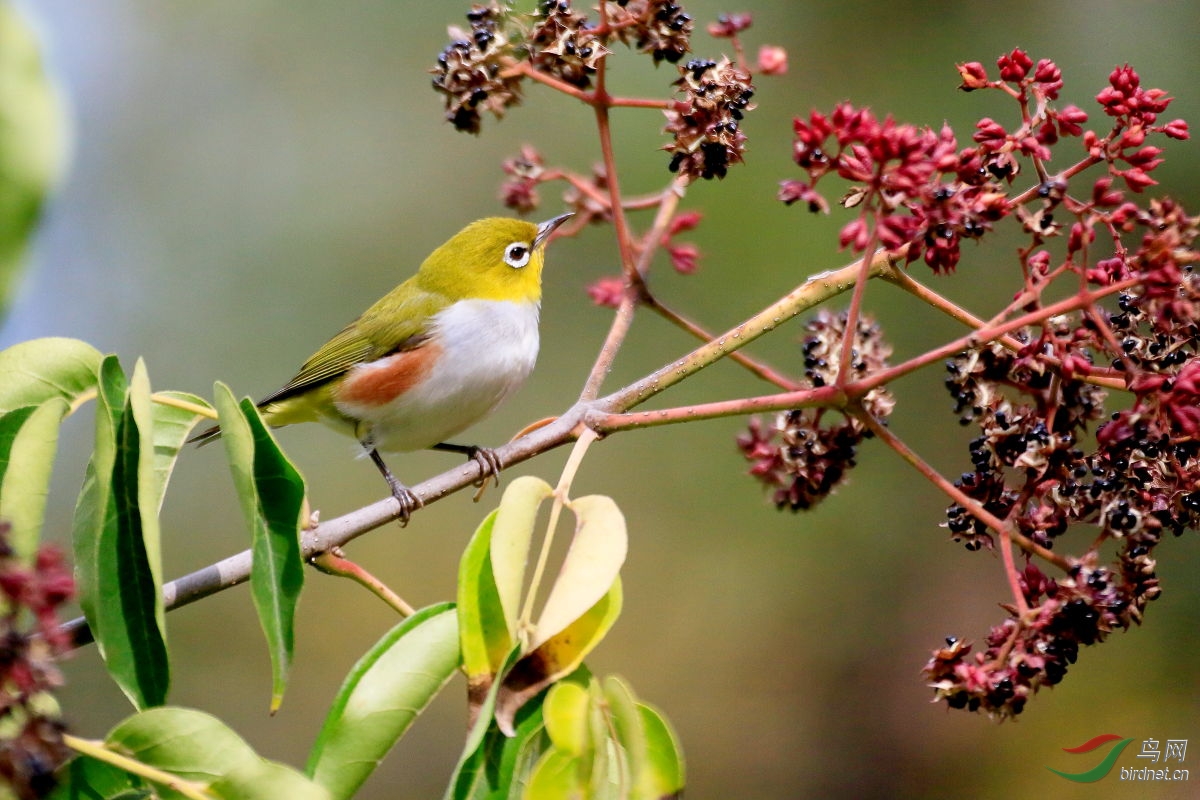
x,y
496,258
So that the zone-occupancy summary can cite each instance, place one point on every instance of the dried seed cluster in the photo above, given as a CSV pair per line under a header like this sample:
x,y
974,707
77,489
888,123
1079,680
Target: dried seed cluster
x,y
658,27
470,70
563,43
706,122
1139,482
805,454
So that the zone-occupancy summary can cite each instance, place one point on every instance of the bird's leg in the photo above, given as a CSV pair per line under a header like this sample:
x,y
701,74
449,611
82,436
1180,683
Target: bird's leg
x,y
485,457
408,501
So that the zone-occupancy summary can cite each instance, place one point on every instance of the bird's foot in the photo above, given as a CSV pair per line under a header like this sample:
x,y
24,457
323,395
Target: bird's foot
x,y
489,464
409,502
485,457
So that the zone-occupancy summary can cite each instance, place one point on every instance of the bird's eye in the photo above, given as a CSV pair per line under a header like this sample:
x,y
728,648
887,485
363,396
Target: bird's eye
x,y
516,255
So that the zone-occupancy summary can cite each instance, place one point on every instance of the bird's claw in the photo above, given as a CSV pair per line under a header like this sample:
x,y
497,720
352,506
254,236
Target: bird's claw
x,y
489,465
409,502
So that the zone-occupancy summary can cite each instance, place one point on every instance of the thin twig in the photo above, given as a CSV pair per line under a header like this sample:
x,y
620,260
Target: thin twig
x,y
333,562
961,498
815,290
635,290
901,278
758,368
987,334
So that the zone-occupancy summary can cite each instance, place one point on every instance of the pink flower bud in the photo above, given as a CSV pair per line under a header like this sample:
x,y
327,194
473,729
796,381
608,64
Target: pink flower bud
x,y
607,292
685,258
772,60
973,75
1176,129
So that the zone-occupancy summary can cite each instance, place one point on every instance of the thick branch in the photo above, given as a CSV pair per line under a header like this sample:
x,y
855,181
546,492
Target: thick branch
x,y
344,529
817,289
341,530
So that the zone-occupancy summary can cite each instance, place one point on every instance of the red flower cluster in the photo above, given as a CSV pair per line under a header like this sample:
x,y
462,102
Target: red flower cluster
x,y
685,256
1126,100
729,25
915,190
32,746
913,187
607,292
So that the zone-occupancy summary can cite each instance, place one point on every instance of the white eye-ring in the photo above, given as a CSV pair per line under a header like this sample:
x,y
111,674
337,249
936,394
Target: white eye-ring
x,y
516,255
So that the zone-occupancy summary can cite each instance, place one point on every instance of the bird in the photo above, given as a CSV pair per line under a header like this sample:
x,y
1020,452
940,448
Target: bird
x,y
432,357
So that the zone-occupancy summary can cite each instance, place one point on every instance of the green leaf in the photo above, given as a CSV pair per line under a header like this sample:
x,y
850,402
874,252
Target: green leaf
x,y
125,569
565,711
34,371
558,776
518,754
592,564
483,634
84,778
146,492
511,536
32,142
28,441
605,745
92,509
272,496
469,773
663,773
171,428
627,726
382,696
198,747
556,657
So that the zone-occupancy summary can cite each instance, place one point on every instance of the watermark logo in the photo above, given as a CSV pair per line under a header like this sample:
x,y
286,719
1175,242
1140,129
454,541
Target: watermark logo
x,y
1104,767
1154,750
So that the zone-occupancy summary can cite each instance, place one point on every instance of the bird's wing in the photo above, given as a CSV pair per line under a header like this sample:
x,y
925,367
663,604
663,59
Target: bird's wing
x,y
386,328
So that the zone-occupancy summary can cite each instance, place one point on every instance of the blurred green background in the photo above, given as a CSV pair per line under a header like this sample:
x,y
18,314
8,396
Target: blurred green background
x,y
248,176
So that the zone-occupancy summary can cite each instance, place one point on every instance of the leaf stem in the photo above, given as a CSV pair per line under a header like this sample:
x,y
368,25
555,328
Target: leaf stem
x,y
333,562
101,752
561,497
86,396
164,399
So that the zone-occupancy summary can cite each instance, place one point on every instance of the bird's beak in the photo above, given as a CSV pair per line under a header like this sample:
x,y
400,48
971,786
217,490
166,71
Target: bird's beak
x,y
548,227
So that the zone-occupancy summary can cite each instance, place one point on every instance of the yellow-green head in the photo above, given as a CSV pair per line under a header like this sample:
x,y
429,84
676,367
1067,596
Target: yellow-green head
x,y
491,259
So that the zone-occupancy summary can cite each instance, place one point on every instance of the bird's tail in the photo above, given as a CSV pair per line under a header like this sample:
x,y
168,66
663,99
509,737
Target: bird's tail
x,y
205,436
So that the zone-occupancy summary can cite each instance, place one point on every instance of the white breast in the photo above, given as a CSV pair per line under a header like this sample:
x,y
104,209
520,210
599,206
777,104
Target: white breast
x,y
488,348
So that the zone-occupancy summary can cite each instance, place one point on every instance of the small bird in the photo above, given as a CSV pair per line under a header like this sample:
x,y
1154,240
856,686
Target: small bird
x,y
435,355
